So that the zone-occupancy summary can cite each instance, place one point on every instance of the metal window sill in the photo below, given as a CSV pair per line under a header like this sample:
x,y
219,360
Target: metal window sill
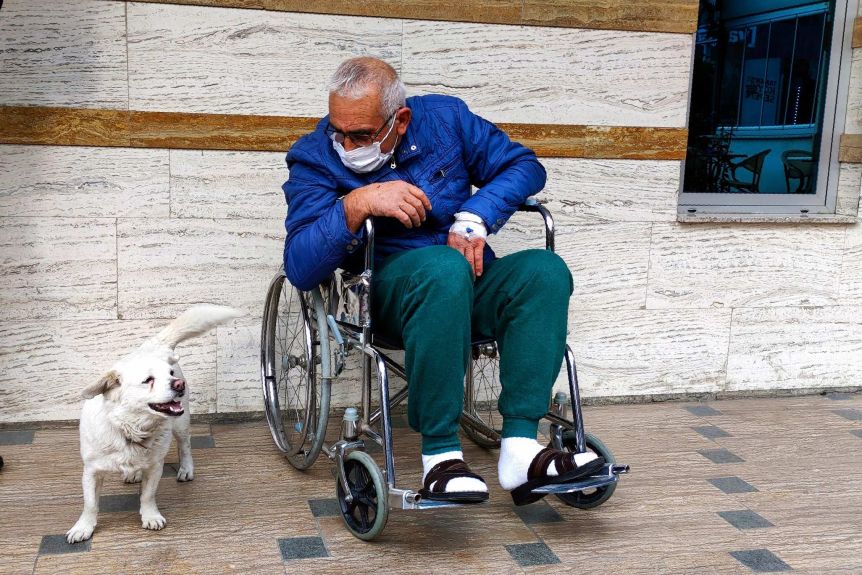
x,y
730,218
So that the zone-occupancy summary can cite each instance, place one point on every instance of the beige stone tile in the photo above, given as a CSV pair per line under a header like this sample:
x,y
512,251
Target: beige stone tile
x,y
853,124
69,355
590,191
849,189
725,265
58,268
69,54
851,268
165,266
83,182
622,352
238,375
185,59
216,184
795,347
551,75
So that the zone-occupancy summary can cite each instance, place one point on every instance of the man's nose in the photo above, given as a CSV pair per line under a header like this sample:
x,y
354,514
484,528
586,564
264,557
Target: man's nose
x,y
178,385
348,144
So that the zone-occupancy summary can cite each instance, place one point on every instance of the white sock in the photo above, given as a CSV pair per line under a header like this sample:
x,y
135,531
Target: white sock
x,y
516,455
457,484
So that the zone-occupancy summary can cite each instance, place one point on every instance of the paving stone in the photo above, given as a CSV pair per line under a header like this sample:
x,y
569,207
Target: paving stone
x,y
302,548
760,560
124,502
539,512
849,413
857,432
169,470
720,455
324,507
732,485
56,545
202,441
711,431
838,396
702,410
23,437
530,554
745,519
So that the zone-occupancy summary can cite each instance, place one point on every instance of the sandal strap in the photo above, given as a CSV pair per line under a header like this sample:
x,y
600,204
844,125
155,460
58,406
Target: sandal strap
x,y
564,461
443,472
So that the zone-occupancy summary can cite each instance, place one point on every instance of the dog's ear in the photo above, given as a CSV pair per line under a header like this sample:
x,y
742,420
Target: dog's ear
x,y
107,382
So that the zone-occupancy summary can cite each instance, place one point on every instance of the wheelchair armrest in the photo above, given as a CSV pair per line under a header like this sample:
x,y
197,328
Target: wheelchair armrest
x,y
533,205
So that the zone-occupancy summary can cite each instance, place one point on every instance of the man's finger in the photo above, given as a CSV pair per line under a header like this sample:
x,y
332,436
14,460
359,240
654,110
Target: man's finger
x,y
478,254
417,205
420,195
412,214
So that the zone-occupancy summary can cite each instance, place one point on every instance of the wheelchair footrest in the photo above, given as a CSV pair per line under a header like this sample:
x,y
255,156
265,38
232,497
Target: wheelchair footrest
x,y
609,474
409,499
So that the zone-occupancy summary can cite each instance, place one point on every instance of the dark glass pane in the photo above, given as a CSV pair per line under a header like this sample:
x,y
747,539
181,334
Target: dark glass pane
x,y
805,68
778,73
756,86
728,104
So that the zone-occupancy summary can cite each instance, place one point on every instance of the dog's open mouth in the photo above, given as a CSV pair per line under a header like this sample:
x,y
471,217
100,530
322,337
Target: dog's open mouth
x,y
168,408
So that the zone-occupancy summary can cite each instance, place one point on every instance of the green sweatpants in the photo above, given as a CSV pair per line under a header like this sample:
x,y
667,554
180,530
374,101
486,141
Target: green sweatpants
x,y
426,300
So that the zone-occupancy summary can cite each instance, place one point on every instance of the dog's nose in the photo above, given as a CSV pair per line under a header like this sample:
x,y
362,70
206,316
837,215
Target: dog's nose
x,y
178,385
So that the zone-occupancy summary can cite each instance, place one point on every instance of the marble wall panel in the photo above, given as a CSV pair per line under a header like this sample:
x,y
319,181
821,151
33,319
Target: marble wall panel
x,y
238,372
588,191
552,75
637,352
608,262
853,124
63,53
164,266
785,348
728,265
227,184
226,60
83,182
849,189
851,267
45,365
58,268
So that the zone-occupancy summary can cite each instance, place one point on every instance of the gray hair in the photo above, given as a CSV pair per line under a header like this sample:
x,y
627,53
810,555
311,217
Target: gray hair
x,y
357,77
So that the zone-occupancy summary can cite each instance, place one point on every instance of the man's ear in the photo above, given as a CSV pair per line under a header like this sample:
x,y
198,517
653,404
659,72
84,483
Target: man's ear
x,y
107,382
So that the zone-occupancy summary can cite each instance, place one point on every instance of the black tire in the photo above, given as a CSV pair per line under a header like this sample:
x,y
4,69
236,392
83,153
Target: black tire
x,y
366,515
296,398
594,497
485,424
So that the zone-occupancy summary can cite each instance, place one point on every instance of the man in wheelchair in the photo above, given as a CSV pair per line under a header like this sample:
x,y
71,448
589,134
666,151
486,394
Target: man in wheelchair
x,y
410,164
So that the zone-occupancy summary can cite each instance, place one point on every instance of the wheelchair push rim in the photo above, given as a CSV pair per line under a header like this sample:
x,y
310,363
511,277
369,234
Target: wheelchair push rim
x,y
296,400
366,514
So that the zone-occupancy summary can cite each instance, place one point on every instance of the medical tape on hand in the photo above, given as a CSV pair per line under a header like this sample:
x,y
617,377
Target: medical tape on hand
x,y
469,226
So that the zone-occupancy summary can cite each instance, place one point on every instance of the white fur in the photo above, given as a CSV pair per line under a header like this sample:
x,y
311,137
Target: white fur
x,y
120,432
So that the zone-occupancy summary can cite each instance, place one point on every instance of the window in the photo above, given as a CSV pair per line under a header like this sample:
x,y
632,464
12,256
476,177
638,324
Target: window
x,y
763,135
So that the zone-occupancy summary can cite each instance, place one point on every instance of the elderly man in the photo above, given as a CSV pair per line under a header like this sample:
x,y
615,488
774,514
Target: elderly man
x,y
410,164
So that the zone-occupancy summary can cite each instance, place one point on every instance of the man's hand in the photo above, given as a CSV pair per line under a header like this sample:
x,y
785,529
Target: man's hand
x,y
472,250
396,199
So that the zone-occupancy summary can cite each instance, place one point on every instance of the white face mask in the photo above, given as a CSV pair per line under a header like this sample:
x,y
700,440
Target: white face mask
x,y
367,159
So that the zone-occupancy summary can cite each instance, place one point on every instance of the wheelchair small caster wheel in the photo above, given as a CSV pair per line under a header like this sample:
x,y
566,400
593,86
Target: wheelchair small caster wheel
x,y
593,497
365,516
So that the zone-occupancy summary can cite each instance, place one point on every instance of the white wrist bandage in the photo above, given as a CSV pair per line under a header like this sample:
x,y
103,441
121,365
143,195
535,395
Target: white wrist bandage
x,y
469,226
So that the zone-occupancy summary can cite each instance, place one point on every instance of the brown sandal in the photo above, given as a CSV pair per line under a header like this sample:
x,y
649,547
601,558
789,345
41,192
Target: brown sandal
x,y
439,477
537,474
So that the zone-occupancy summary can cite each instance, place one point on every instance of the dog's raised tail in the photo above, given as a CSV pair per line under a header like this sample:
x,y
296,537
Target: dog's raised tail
x,y
193,322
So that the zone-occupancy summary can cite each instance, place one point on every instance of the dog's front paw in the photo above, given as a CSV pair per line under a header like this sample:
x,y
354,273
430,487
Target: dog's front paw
x,y
81,531
186,473
133,477
154,522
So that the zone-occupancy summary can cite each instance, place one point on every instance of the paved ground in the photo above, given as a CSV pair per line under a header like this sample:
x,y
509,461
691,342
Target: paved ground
x,y
737,486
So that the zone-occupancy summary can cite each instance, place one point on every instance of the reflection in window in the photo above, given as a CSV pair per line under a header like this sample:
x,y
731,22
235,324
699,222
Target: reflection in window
x,y
757,96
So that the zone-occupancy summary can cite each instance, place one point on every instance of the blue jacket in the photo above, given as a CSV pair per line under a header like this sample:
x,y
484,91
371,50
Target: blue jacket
x,y
445,150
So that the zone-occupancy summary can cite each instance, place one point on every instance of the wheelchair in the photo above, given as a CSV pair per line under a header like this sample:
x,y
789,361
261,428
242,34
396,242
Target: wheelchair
x,y
306,341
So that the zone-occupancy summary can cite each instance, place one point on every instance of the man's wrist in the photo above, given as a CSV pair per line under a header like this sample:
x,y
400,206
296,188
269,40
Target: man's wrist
x,y
354,210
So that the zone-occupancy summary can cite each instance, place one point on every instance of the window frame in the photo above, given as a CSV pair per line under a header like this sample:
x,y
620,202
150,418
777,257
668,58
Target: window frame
x,y
834,114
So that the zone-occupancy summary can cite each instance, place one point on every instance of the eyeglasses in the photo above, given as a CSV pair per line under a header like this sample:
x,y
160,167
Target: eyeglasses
x,y
360,138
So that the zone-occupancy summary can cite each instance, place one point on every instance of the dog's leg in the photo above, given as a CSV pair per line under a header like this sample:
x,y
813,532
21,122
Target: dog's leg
x,y
183,434
133,477
150,516
83,529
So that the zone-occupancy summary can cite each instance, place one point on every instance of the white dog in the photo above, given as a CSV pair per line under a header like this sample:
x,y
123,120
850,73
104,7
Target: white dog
x,y
131,413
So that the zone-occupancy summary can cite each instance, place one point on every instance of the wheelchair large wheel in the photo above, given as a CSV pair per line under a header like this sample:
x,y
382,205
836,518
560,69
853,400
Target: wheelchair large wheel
x,y
593,497
296,398
482,421
366,514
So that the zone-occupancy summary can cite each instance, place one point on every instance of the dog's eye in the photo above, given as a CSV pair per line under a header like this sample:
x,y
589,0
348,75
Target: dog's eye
x,y
172,372
149,380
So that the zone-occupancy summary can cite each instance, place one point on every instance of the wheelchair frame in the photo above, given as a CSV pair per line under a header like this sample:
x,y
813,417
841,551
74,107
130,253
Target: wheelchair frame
x,y
323,327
